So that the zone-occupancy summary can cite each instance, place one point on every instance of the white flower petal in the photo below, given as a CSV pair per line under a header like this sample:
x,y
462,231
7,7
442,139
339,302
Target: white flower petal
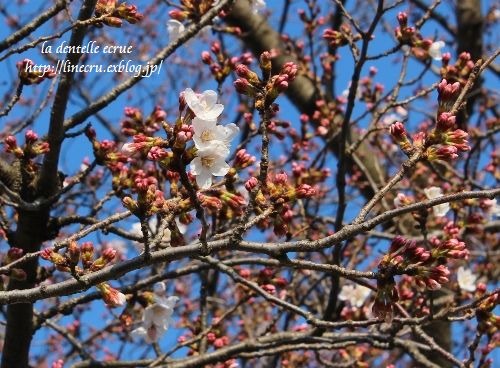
x,y
435,50
228,132
209,98
204,179
175,29
356,295
466,279
439,210
220,168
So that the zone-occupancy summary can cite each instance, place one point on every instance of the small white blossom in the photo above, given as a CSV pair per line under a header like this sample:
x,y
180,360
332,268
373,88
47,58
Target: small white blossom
x,y
136,230
356,295
492,209
435,50
210,161
207,132
204,105
258,5
156,319
440,210
466,279
175,29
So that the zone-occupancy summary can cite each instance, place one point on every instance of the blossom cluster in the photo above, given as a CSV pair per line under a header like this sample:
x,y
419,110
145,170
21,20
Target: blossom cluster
x,y
211,140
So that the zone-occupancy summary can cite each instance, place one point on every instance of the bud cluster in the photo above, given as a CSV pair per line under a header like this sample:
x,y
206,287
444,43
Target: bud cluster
x,y
223,65
32,147
427,267
422,48
282,195
342,37
264,90
114,14
74,253
191,9
29,73
134,122
458,72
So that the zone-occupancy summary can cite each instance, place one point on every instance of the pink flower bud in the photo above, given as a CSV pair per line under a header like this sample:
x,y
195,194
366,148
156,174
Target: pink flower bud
x,y
305,191
402,19
445,121
251,183
31,136
206,58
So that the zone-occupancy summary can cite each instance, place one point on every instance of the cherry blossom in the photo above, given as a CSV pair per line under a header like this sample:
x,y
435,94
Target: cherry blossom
x,y
203,105
440,210
207,131
356,295
156,317
466,279
175,29
210,161
435,50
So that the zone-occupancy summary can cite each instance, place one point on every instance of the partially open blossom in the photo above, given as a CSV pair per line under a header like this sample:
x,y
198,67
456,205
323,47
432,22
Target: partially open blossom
x,y
112,297
466,279
440,210
401,200
491,207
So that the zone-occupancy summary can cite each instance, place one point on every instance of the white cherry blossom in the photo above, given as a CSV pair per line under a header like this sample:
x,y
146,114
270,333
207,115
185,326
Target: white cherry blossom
x,y
156,319
435,50
207,132
136,230
210,161
203,105
439,210
175,29
466,279
356,295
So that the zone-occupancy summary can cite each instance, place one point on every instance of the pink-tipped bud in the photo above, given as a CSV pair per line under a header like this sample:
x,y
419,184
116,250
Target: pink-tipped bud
x,y
402,19
251,183
445,122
